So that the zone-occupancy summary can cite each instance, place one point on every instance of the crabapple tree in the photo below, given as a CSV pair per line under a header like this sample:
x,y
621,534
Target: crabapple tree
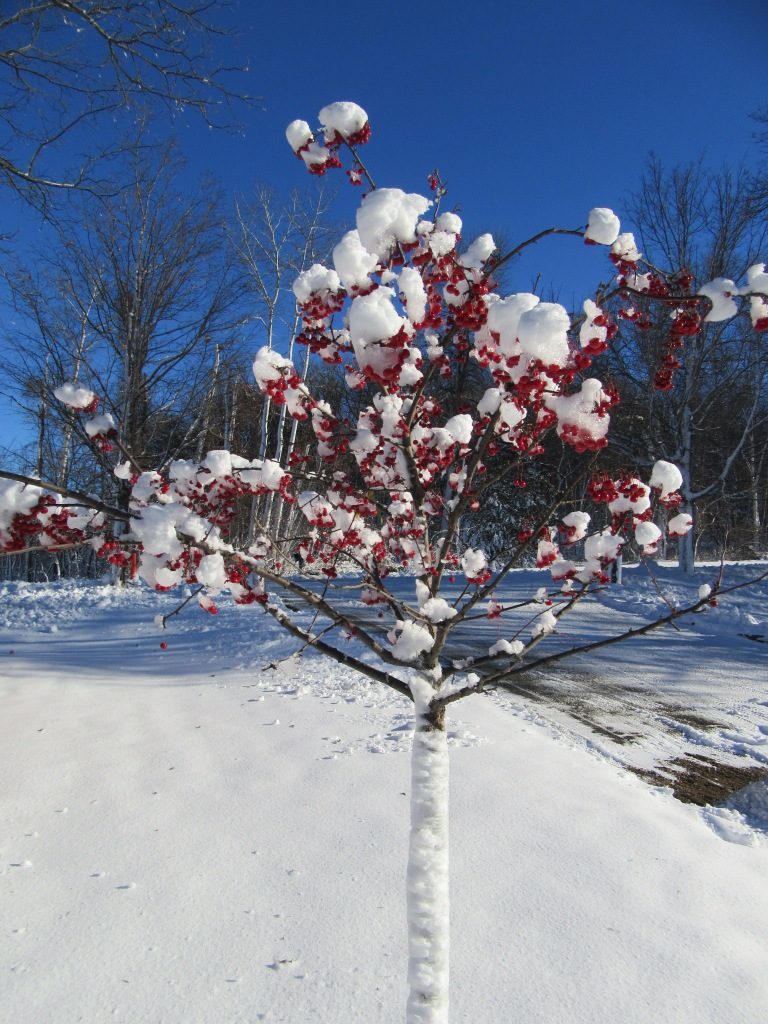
x,y
405,302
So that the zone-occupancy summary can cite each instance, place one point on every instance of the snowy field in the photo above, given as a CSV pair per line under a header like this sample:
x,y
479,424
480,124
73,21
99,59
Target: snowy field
x,y
216,833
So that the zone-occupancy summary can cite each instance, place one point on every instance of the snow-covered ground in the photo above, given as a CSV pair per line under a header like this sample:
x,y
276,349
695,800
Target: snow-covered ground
x,y
216,833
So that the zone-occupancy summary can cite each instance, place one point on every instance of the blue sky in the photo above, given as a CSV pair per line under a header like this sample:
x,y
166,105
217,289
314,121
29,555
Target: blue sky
x,y
533,113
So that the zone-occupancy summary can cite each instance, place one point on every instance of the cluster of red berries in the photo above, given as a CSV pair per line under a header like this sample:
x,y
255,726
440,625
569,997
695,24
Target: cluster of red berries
x,y
330,159
114,553
358,138
49,528
319,167
602,489
103,442
580,440
685,324
597,345
276,388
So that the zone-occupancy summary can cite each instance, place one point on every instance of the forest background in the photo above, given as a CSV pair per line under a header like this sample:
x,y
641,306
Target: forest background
x,y
157,281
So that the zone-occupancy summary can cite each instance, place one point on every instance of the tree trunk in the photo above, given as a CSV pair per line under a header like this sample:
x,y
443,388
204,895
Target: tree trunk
x,y
755,531
685,545
427,880
617,571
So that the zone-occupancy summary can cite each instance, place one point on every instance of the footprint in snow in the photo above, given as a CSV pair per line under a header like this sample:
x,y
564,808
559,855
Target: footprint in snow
x,y
283,964
729,825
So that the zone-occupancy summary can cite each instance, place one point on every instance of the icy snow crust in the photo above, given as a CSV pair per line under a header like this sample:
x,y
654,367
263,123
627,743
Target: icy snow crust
x,y
213,826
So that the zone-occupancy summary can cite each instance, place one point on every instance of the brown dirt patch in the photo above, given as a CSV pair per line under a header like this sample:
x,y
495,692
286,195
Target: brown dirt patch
x,y
696,779
692,718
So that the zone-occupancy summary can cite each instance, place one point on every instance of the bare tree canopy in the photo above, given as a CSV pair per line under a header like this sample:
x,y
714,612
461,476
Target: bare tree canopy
x,y
712,424
760,180
137,292
68,67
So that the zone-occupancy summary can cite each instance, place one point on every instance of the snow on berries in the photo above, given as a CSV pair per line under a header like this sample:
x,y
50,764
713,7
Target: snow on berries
x,y
17,501
76,397
435,609
632,496
503,321
543,333
101,426
582,419
387,218
475,565
600,550
299,135
602,226
680,524
344,121
413,294
666,478
647,535
575,525
625,254
353,263
317,280
277,377
211,572
757,281
478,253
460,428
546,622
721,292
317,158
595,330
381,337
546,552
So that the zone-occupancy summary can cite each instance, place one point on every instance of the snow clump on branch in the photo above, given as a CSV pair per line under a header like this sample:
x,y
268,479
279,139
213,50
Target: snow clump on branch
x,y
602,226
76,397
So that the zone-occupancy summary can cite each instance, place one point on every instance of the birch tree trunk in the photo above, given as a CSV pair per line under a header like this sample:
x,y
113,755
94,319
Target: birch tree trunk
x,y
685,546
427,878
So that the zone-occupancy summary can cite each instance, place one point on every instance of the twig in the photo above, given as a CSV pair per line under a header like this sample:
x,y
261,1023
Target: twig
x,y
183,604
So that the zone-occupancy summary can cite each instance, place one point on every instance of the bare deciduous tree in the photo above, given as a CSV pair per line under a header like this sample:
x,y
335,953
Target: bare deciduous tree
x,y
710,224
141,297
70,67
276,239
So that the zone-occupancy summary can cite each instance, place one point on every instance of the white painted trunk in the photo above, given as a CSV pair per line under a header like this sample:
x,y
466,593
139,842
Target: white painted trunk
x,y
427,880
618,571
